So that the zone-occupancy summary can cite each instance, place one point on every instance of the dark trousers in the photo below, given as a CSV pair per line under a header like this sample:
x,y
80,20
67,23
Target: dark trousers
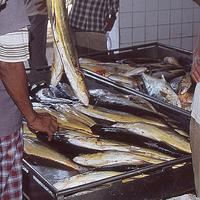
x,y
37,41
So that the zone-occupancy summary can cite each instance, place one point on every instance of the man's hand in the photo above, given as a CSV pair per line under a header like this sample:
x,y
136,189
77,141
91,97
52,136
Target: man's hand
x,y
43,122
109,23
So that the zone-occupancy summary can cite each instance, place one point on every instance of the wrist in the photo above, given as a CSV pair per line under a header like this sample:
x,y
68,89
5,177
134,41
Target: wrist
x,y
31,117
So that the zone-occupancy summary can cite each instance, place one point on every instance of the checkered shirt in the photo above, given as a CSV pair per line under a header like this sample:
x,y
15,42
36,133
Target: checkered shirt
x,y
90,15
11,152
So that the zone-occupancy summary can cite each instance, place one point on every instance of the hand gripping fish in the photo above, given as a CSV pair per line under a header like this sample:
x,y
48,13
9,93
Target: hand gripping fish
x,y
65,57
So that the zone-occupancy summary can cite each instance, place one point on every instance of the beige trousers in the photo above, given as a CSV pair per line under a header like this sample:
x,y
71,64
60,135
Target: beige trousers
x,y
90,42
195,146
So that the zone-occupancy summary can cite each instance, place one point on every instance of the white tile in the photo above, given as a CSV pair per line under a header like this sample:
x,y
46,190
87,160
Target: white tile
x,y
176,16
151,5
176,4
166,41
126,20
187,29
151,18
138,5
164,17
163,4
126,6
176,42
187,43
163,32
197,14
196,28
126,35
139,34
187,15
175,30
187,4
138,19
151,33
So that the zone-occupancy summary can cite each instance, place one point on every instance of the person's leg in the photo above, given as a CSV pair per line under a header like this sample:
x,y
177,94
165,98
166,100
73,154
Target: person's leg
x,y
194,142
11,153
90,42
37,41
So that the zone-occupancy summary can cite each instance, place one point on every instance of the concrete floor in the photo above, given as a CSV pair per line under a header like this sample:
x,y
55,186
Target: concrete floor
x,y
185,197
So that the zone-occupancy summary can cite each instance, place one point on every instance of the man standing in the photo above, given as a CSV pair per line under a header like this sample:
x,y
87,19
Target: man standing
x,y
14,98
90,20
37,13
195,120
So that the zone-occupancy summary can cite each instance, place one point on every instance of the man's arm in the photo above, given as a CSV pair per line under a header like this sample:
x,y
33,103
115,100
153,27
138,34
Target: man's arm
x,y
14,78
195,72
113,7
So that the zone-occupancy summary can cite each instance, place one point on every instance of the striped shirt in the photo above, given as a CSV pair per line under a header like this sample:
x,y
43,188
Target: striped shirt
x,y
90,15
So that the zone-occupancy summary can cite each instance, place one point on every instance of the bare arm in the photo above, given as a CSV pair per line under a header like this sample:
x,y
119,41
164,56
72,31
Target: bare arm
x,y
14,78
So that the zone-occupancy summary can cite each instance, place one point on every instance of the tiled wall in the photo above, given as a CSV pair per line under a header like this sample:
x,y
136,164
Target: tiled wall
x,y
173,22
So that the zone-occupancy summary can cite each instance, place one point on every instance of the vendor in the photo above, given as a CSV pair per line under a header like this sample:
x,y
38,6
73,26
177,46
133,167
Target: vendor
x,y
14,98
90,20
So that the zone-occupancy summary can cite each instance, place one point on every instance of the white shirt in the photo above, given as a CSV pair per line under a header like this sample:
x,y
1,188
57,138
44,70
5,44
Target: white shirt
x,y
32,8
196,104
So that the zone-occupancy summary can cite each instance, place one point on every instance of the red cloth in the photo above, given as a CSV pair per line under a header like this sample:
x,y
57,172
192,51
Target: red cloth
x,y
11,152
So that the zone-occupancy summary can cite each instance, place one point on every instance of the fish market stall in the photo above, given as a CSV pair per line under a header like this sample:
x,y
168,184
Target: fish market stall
x,y
112,142
156,180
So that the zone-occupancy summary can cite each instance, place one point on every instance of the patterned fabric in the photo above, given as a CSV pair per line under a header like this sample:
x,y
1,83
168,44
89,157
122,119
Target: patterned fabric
x,y
14,46
11,152
90,15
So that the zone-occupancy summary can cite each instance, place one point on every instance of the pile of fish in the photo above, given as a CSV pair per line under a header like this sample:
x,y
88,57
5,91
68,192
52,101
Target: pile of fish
x,y
166,79
112,135
103,134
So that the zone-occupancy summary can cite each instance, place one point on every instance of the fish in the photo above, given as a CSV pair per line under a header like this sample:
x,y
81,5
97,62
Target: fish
x,y
160,89
65,121
70,134
136,71
84,178
171,60
125,81
158,134
139,146
112,159
46,95
182,132
104,68
26,131
70,111
100,144
66,55
116,101
34,147
174,83
115,116
66,91
185,84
